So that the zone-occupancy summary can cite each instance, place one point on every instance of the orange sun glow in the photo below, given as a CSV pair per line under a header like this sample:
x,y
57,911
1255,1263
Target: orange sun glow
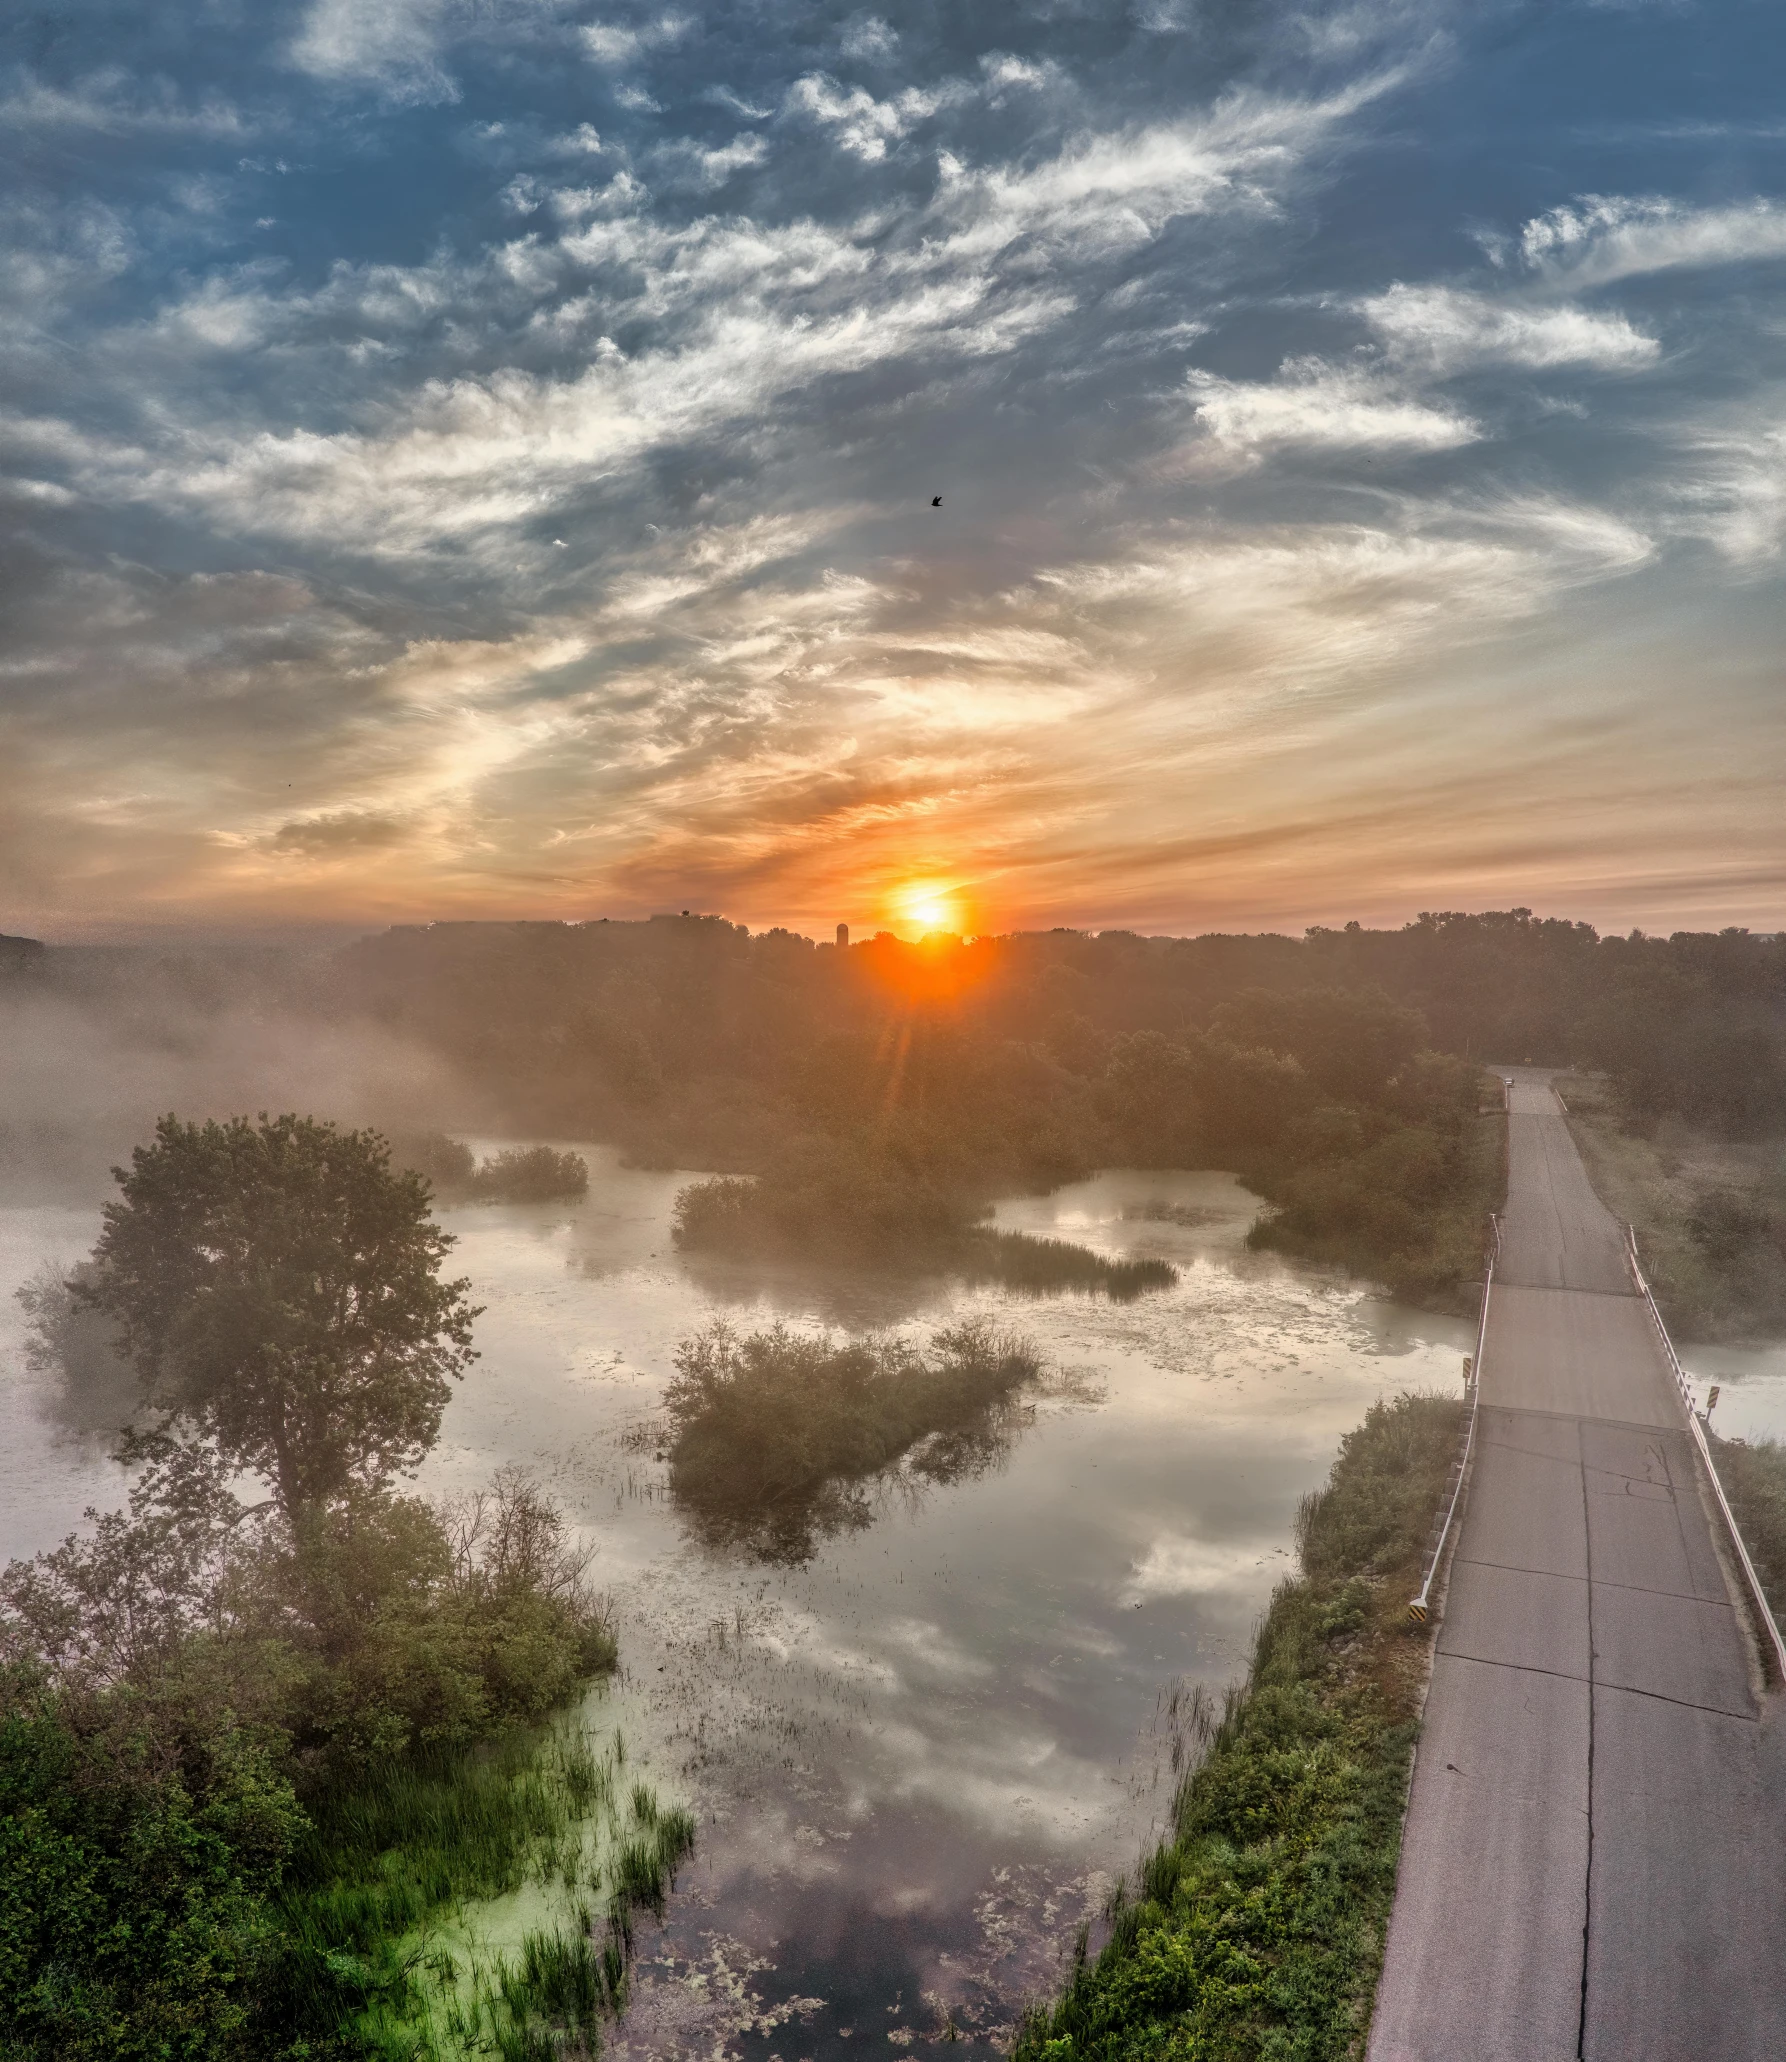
x,y
926,908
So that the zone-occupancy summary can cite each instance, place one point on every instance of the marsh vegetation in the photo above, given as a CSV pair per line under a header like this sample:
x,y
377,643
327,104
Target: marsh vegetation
x,y
871,1209
249,1744
776,1437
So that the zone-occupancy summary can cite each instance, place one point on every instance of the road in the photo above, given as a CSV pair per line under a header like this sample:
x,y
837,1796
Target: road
x,y
1594,1863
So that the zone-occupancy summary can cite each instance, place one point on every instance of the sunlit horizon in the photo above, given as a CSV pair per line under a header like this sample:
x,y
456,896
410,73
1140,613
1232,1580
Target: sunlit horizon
x,y
470,464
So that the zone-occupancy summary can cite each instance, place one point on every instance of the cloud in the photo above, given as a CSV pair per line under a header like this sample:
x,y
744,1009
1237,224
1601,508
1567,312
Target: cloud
x,y
589,457
338,833
395,43
1314,406
863,125
616,43
870,37
760,315
1448,329
116,102
1599,239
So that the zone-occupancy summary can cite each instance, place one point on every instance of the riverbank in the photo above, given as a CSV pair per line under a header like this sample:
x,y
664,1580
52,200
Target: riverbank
x,y
1709,1212
1256,1927
1409,1209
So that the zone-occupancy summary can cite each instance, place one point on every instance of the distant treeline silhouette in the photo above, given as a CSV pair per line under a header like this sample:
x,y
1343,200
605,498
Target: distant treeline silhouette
x,y
1336,1072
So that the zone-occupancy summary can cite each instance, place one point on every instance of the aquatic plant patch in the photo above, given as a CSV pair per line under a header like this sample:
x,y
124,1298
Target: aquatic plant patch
x,y
399,1900
875,1212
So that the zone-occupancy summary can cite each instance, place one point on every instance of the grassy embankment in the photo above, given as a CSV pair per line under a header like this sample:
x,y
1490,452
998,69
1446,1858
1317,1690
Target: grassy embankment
x,y
1256,1927
1710,1212
775,1435
1408,1208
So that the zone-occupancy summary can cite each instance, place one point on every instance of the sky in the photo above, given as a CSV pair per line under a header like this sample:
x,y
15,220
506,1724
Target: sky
x,y
476,458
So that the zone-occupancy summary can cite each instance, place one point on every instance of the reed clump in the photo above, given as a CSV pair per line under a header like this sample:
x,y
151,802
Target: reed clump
x,y
1042,1267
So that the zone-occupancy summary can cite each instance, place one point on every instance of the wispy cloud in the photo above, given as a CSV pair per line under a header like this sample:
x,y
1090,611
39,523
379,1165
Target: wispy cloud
x,y
1600,239
1447,329
511,489
1316,406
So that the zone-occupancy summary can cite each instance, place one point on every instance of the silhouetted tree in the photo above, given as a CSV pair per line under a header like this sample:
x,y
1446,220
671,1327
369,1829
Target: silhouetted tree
x,y
277,1288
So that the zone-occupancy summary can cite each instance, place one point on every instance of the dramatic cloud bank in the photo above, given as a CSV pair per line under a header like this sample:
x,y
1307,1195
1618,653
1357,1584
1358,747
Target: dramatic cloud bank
x,y
478,460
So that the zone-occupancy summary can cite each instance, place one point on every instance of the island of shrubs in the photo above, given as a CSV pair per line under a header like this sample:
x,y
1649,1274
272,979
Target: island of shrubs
x,y
775,1433
867,1205
521,1174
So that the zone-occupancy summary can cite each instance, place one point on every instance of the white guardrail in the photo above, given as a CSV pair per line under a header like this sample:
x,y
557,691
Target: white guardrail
x,y
1770,1632
1419,1607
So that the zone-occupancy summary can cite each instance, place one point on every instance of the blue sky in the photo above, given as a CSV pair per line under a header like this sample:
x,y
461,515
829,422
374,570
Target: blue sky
x,y
474,457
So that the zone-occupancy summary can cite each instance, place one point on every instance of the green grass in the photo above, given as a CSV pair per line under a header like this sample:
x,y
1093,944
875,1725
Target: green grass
x,y
773,1430
383,1956
1255,1929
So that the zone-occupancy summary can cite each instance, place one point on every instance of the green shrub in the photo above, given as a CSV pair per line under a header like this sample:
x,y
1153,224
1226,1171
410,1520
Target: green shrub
x,y
530,1174
768,1427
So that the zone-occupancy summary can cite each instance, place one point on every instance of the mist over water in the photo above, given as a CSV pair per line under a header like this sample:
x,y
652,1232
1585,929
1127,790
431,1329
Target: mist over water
x,y
89,1068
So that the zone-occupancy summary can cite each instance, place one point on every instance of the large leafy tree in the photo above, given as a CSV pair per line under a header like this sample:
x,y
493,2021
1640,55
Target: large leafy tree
x,y
277,1287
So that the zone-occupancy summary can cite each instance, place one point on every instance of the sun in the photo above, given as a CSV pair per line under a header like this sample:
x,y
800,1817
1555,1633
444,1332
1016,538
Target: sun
x,y
929,908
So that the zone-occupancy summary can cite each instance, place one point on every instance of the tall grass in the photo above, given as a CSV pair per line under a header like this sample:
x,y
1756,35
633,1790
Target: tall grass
x,y
1045,1266
382,1955
1255,1928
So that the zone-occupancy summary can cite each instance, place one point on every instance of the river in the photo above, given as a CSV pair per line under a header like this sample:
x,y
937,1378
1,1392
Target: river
x,y
919,1759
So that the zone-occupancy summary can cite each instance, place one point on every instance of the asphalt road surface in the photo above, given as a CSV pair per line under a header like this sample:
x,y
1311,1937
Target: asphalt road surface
x,y
1594,1863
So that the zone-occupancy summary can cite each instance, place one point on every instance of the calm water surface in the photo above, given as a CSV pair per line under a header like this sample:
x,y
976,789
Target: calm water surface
x,y
920,1759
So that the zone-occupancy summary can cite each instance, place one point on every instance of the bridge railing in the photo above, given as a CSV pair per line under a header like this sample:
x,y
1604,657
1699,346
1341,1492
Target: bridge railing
x,y
1420,1606
1770,1631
